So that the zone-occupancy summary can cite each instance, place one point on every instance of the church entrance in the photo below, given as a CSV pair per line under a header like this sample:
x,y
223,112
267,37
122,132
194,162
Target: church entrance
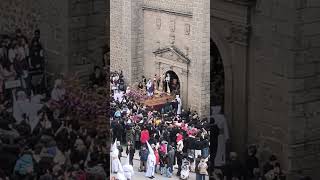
x,y
174,84
217,79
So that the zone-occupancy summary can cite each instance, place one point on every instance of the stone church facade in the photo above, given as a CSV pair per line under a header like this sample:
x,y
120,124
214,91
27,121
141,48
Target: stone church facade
x,y
270,53
151,37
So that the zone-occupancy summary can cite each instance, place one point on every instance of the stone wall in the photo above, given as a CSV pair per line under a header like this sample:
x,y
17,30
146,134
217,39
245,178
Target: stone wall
x,y
87,31
69,29
199,90
229,31
116,62
282,70
54,27
160,37
304,91
26,18
176,5
133,40
270,62
285,83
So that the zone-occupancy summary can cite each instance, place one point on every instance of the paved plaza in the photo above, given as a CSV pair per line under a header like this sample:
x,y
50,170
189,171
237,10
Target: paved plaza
x,y
141,175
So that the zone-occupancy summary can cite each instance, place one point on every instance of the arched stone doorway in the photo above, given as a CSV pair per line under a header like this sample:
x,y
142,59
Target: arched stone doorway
x,y
233,53
217,81
174,83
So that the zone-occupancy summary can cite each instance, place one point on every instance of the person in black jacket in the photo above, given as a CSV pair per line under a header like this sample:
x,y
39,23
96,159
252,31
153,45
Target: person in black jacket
x,y
270,164
234,168
130,152
97,78
120,149
252,162
214,134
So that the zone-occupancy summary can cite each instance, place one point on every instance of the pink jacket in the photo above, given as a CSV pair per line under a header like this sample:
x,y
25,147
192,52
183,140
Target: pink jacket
x,y
179,137
144,136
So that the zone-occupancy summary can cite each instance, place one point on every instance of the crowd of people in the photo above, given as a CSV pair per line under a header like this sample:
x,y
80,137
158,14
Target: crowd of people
x,y
19,58
50,133
172,137
180,140
62,132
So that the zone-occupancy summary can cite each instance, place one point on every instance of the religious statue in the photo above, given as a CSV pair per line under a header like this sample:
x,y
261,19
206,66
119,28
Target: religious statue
x,y
179,104
220,121
168,82
187,29
155,80
164,83
172,25
172,38
161,79
150,88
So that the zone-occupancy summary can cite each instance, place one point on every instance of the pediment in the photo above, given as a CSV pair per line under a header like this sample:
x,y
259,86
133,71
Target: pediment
x,y
172,53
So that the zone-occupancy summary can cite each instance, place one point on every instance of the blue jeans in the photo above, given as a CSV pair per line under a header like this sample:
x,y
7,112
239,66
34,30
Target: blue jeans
x,y
163,170
205,152
200,176
169,172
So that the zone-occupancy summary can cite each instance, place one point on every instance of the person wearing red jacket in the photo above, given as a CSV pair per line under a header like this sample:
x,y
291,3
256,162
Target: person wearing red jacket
x,y
144,136
179,137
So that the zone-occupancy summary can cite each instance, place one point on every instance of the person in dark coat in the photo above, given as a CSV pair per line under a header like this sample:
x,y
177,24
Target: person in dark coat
x,y
270,164
137,133
214,134
252,162
97,78
234,168
130,152
171,157
120,150
129,134
143,158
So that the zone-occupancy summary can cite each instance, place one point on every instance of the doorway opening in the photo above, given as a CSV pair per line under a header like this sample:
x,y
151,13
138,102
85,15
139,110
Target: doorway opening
x,y
217,78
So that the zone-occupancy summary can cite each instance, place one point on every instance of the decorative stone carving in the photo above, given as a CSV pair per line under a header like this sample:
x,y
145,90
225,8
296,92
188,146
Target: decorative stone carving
x,y
157,65
158,23
187,50
184,72
158,45
238,33
172,25
172,39
187,29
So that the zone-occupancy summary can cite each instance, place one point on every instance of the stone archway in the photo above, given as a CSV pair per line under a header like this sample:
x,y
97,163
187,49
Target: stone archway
x,y
182,75
234,53
222,47
217,74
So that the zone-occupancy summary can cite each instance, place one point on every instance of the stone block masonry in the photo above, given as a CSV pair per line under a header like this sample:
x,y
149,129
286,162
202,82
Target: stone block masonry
x,y
64,24
146,25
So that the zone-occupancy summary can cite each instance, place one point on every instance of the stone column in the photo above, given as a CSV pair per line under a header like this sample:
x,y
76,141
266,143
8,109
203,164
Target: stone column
x,y
200,64
238,42
184,88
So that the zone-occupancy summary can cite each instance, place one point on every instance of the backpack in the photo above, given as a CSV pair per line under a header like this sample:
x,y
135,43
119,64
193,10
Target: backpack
x,y
202,166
